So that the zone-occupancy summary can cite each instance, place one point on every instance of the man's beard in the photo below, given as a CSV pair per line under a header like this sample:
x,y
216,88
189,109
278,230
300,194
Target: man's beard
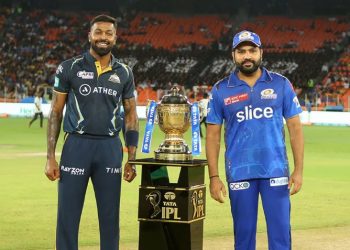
x,y
250,70
101,51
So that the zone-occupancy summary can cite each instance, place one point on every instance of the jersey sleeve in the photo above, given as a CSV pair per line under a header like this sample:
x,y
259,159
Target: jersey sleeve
x,y
128,91
215,113
62,83
291,105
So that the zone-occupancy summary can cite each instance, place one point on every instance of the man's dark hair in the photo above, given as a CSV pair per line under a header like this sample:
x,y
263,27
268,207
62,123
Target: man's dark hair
x,y
104,18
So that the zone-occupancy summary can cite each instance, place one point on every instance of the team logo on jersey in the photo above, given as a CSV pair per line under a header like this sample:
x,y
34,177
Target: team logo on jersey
x,y
235,98
85,75
114,78
239,185
296,101
85,89
268,94
282,181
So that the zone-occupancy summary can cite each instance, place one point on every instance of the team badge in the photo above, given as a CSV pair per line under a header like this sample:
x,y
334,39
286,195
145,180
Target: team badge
x,y
268,94
246,36
114,78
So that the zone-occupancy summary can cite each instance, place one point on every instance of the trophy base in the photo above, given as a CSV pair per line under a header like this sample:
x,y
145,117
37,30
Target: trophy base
x,y
173,156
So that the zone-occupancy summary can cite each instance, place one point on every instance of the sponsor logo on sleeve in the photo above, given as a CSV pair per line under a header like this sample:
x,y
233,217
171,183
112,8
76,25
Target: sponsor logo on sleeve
x,y
236,98
57,82
239,185
296,101
268,94
282,181
59,69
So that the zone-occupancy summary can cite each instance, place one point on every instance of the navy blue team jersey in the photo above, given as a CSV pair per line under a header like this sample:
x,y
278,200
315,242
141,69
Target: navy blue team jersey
x,y
94,96
253,120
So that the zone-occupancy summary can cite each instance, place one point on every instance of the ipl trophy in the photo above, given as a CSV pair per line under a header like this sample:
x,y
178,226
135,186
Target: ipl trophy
x,y
175,114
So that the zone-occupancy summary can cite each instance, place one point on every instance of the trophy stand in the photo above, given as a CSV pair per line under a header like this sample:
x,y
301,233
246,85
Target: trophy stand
x,y
171,214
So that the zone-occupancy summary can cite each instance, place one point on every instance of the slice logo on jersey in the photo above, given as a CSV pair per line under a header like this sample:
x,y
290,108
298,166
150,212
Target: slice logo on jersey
x,y
268,94
85,89
249,113
282,181
296,101
236,98
239,185
85,75
114,78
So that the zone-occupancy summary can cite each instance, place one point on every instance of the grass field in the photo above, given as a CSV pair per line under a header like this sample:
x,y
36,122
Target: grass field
x,y
28,200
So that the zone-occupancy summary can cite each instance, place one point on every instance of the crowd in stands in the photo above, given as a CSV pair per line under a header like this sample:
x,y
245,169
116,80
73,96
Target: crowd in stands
x,y
165,50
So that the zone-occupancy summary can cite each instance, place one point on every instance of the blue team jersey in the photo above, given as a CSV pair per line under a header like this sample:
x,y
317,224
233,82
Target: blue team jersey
x,y
95,97
253,120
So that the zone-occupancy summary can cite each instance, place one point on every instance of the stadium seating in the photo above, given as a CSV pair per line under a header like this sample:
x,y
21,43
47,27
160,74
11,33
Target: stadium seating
x,y
166,49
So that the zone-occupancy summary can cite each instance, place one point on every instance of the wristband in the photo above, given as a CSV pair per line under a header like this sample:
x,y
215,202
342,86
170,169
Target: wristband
x,y
210,177
132,138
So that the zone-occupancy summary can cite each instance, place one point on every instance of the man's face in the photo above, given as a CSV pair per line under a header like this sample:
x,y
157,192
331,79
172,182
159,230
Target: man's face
x,y
247,58
102,37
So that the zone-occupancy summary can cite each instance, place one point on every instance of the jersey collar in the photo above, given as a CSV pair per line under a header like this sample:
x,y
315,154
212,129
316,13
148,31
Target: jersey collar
x,y
234,81
92,59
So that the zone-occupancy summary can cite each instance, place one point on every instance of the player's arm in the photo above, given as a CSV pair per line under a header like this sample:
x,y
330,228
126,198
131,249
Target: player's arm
x,y
297,144
213,138
131,136
53,131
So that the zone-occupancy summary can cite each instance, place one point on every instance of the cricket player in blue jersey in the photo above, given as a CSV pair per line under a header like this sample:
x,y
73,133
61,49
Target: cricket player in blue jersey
x,y
93,87
252,102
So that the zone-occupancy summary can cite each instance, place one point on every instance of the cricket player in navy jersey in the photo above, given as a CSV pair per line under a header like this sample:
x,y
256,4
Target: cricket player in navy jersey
x,y
92,87
252,102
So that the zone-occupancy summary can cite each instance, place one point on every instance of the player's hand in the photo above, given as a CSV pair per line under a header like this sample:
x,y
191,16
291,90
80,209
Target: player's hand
x,y
217,189
295,182
52,170
129,172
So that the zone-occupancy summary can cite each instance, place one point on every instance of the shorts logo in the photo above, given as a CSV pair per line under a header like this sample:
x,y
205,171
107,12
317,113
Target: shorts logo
x,y
236,98
268,94
114,78
239,185
282,181
73,171
113,170
85,89
85,75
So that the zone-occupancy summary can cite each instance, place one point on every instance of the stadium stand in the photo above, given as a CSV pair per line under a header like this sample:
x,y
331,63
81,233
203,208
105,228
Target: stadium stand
x,y
188,50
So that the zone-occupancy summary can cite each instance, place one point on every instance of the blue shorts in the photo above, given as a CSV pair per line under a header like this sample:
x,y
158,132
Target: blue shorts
x,y
244,197
85,157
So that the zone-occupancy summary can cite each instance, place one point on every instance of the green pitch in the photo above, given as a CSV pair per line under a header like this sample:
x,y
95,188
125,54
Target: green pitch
x,y
28,200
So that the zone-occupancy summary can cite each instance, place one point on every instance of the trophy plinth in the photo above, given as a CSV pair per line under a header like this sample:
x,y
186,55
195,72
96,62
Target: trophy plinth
x,y
174,113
